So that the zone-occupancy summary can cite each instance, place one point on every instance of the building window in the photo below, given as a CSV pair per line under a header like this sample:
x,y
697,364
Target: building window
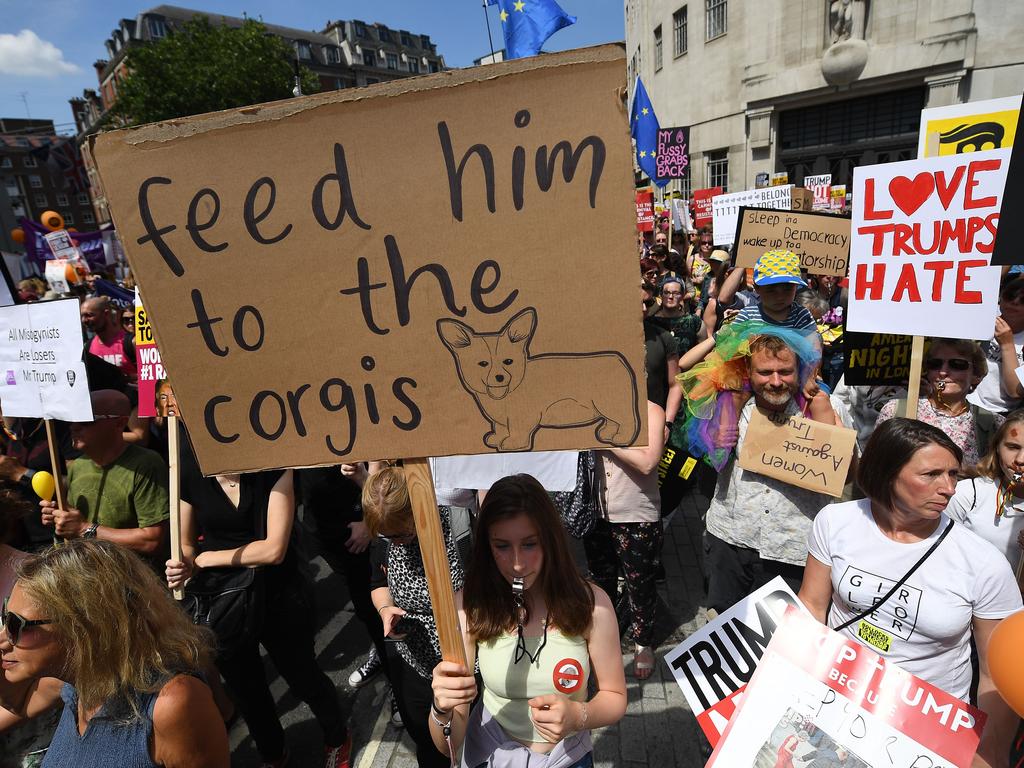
x,y
716,18
679,32
41,201
331,54
407,40
157,28
5,162
372,81
383,34
29,161
718,169
435,67
392,60
36,182
82,198
657,48
360,29
303,50
62,199
88,218
370,58
338,83
414,66
69,218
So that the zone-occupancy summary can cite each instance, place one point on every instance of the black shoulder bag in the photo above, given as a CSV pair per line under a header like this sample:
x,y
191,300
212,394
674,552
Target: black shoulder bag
x,y
231,602
868,611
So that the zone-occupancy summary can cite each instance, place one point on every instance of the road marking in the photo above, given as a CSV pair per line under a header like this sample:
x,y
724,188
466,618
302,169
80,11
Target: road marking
x,y
370,750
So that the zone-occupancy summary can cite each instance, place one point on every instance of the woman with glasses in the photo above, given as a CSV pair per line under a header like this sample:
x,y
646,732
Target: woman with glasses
x,y
546,640
399,593
233,522
90,623
698,265
674,316
953,368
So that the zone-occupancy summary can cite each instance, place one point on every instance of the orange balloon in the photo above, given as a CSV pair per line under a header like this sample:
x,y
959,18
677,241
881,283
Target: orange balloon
x,y
52,220
72,229
70,274
18,235
1004,660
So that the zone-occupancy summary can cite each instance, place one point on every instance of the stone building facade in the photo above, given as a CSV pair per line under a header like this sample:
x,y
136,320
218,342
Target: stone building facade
x,y
815,86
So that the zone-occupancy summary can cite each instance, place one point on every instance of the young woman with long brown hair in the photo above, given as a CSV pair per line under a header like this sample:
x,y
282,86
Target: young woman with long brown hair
x,y
539,631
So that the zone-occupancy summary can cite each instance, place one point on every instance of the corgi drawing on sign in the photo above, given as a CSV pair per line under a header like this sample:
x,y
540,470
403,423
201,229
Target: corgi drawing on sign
x,y
520,393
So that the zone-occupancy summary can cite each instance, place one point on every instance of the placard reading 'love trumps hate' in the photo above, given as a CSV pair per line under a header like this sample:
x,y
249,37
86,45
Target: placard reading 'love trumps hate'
x,y
923,234
381,272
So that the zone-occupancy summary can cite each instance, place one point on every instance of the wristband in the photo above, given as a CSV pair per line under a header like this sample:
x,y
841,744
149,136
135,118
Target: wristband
x,y
438,710
383,607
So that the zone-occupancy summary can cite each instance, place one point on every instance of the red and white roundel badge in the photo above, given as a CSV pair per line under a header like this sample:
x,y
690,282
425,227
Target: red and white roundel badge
x,y
567,676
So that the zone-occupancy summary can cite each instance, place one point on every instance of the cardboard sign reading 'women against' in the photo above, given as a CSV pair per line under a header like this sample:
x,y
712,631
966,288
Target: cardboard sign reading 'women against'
x,y
923,234
379,272
819,698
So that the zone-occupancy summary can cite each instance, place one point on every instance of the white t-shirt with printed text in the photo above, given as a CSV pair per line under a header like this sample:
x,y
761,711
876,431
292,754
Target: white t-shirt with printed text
x,y
925,628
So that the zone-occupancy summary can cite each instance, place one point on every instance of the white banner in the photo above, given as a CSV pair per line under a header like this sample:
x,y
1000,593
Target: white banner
x,y
923,234
555,470
41,370
725,209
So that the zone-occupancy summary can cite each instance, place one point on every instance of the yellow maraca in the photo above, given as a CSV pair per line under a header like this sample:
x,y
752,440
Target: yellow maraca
x,y
44,485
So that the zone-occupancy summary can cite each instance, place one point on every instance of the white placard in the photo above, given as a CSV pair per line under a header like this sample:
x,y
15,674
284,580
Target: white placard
x,y
725,209
819,186
923,233
555,470
737,636
681,221
61,246
41,370
56,275
969,121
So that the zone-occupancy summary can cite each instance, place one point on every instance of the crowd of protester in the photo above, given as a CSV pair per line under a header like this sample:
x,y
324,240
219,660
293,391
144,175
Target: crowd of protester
x,y
101,665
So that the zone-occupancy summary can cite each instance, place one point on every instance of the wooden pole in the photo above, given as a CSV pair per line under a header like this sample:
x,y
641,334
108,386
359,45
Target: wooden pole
x,y
174,492
55,464
914,383
435,558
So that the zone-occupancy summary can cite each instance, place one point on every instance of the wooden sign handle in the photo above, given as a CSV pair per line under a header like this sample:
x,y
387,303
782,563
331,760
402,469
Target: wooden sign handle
x,y
914,383
174,492
435,558
55,465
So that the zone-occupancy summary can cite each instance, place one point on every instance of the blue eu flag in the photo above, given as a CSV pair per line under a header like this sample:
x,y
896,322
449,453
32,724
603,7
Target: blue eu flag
x,y
643,127
527,24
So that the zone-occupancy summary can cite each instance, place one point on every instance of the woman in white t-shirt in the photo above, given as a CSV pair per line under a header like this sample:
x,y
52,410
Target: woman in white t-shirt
x,y
992,504
860,550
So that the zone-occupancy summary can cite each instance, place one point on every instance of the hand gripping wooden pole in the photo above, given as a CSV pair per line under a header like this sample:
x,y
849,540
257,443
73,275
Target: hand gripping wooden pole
x,y
58,472
174,492
435,558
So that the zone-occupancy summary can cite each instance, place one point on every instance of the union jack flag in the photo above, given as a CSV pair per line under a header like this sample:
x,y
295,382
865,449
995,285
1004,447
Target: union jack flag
x,y
64,162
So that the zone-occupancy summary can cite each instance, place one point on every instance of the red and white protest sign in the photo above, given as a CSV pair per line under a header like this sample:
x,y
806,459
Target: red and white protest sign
x,y
923,234
818,695
645,211
703,212
819,186
713,665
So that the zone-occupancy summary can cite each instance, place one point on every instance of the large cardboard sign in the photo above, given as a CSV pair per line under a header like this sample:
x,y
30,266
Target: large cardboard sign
x,y
875,359
798,451
973,127
816,695
821,240
703,211
151,368
923,233
673,158
364,273
726,208
41,370
713,665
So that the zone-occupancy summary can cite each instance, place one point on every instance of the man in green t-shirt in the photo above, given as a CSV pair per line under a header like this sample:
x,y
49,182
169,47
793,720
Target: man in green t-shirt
x,y
116,491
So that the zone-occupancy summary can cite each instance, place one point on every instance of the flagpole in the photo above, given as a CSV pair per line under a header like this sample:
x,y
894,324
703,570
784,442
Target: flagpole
x,y
487,20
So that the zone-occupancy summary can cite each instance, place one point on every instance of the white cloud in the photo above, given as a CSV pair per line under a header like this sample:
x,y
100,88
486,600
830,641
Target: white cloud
x,y
27,55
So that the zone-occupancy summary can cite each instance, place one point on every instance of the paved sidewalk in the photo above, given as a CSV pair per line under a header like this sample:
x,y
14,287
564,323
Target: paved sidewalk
x,y
658,729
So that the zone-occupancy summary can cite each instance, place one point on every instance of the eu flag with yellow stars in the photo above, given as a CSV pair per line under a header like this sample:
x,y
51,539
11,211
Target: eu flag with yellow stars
x,y
643,127
527,24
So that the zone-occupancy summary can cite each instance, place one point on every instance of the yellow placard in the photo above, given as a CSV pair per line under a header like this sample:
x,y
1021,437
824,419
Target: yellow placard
x,y
972,133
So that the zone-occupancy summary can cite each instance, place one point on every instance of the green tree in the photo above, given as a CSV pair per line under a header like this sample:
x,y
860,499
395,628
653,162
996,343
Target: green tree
x,y
203,68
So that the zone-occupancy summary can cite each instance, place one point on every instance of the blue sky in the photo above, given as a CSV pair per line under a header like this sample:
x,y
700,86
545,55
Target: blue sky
x,y
47,47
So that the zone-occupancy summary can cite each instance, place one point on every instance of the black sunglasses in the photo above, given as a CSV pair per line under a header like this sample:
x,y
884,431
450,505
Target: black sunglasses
x,y
953,364
13,624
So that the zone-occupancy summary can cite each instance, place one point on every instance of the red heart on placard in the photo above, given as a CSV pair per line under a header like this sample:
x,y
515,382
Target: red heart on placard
x,y
910,194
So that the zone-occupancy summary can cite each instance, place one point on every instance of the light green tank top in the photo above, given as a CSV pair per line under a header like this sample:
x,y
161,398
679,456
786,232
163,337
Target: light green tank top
x,y
563,667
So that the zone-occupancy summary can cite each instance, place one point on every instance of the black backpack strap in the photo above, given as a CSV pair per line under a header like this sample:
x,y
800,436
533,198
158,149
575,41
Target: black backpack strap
x,y
868,611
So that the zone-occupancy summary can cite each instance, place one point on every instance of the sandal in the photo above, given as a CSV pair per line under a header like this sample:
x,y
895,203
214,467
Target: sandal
x,y
643,662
